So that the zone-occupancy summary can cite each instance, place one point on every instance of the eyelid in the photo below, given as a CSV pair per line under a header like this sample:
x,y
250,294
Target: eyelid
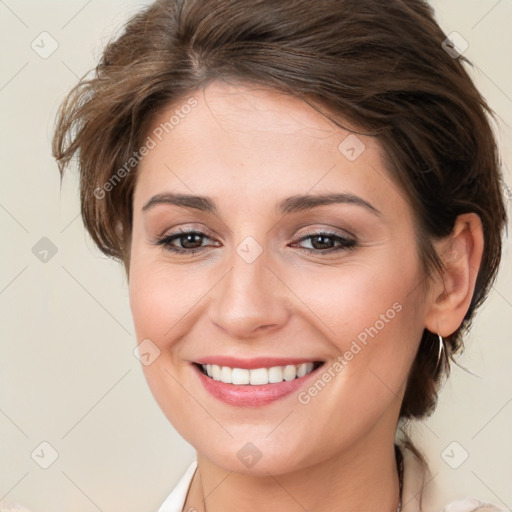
x,y
165,242
345,243
328,231
202,230
184,228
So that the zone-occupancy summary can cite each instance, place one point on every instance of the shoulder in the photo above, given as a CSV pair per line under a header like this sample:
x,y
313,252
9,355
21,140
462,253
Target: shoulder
x,y
419,495
12,507
471,505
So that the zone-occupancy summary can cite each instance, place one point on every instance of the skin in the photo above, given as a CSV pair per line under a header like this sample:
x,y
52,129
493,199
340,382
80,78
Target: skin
x,y
247,148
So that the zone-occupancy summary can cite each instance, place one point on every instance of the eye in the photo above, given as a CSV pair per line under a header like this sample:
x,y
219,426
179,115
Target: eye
x,y
324,242
190,241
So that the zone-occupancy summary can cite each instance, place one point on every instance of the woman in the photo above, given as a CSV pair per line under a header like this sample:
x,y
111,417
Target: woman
x,y
307,201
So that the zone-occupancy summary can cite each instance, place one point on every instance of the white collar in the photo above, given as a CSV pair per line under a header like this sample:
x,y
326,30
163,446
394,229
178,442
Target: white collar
x,y
417,491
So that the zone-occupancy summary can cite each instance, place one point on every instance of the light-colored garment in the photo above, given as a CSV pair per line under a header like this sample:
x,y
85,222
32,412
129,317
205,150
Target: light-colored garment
x,y
176,500
414,476
12,507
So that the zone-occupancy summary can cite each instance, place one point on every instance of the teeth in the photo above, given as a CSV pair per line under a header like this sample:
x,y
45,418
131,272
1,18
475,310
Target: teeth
x,y
214,371
275,374
225,375
302,370
240,376
290,372
258,376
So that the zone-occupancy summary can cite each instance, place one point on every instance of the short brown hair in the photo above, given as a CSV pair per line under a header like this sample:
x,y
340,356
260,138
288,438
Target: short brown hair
x,y
382,66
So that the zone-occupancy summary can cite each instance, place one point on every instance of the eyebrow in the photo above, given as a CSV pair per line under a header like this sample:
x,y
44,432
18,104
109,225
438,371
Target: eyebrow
x,y
296,203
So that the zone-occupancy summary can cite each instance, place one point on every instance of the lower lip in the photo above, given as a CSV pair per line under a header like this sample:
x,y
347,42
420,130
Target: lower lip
x,y
248,395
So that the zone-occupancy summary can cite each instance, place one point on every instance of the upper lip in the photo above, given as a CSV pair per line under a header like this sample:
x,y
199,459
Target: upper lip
x,y
256,362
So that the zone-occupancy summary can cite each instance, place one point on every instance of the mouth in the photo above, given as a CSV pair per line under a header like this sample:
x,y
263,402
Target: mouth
x,y
257,376
254,382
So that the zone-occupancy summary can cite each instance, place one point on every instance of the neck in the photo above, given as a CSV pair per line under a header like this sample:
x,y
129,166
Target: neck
x,y
364,477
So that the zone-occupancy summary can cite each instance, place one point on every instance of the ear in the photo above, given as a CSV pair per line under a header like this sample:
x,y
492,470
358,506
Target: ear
x,y
452,291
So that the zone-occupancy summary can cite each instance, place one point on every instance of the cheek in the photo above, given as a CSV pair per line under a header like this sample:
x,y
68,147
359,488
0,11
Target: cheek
x,y
160,303
159,295
160,299
372,315
359,294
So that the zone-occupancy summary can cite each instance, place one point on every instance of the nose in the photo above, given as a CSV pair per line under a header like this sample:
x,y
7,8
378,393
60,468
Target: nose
x,y
250,300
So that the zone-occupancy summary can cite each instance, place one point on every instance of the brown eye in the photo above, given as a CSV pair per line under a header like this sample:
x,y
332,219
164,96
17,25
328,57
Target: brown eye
x,y
325,242
190,240
183,242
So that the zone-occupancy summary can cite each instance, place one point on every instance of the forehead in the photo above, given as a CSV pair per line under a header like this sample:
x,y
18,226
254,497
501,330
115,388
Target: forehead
x,y
251,141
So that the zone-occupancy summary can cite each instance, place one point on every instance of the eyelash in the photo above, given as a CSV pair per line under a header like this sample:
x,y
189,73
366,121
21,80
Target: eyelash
x,y
345,243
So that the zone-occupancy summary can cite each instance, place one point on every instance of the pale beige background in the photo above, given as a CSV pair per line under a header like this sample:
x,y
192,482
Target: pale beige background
x,y
68,373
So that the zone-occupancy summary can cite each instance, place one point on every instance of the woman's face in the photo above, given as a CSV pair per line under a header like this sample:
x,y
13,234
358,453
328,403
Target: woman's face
x,y
277,278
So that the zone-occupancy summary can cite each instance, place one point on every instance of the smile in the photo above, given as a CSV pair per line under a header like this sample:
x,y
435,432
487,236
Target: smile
x,y
258,376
